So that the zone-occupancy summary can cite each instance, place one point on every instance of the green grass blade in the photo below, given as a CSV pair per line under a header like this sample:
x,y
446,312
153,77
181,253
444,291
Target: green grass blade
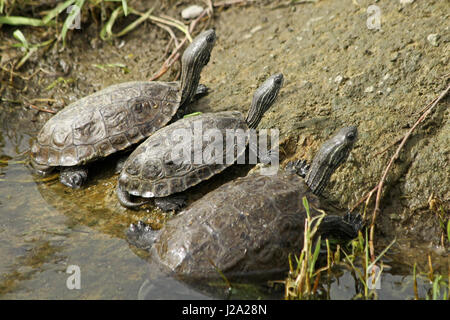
x,y
106,32
315,256
25,58
57,10
135,23
125,7
448,230
21,21
69,20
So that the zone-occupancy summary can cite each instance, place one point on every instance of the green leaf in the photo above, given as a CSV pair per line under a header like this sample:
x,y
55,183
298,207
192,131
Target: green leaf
x,y
19,36
125,7
57,10
192,114
21,21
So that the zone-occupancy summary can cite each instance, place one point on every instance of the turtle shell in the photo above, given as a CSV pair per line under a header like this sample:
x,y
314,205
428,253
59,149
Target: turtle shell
x,y
107,121
156,168
247,226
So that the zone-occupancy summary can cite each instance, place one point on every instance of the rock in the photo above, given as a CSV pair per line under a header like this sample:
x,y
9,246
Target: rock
x,y
339,79
256,29
369,89
406,1
191,12
433,39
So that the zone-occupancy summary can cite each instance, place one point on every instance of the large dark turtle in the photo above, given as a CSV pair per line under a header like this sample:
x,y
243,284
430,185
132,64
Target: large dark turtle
x,y
116,117
155,170
249,225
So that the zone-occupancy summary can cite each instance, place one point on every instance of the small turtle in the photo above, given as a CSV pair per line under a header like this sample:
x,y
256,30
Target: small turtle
x,y
116,117
249,225
154,171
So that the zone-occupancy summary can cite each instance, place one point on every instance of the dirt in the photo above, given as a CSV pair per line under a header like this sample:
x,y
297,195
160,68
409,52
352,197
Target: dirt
x,y
337,72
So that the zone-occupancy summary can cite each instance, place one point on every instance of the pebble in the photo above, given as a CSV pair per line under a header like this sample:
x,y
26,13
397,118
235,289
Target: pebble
x,y
433,39
369,89
338,79
406,1
256,29
191,12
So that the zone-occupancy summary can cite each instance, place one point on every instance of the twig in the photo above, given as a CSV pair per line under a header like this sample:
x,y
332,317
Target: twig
x,y
388,147
230,2
391,161
176,54
172,35
42,109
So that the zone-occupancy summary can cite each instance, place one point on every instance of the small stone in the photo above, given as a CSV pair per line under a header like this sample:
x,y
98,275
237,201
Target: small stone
x,y
256,29
191,12
369,89
386,76
394,56
406,1
306,84
433,39
338,79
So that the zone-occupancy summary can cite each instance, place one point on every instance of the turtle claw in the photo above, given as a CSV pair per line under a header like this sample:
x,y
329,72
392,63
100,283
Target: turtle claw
x,y
141,235
354,219
300,167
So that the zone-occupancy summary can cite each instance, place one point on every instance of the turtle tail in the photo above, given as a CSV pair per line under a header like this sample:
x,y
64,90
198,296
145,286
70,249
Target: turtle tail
x,y
125,199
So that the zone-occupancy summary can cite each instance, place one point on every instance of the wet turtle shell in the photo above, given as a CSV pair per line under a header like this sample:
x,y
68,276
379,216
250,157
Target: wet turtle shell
x,y
155,169
247,226
105,122
252,224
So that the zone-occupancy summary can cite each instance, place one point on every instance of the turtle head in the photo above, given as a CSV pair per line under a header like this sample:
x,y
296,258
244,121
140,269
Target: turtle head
x,y
331,155
263,98
194,58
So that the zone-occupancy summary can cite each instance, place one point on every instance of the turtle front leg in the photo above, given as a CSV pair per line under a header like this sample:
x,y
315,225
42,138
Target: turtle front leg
x,y
346,227
201,91
73,177
171,203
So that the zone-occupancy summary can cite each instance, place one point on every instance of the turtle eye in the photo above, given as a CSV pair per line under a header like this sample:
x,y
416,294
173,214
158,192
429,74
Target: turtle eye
x,y
278,80
210,37
351,136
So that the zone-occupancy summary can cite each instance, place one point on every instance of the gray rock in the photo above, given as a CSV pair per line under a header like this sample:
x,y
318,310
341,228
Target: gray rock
x,y
433,39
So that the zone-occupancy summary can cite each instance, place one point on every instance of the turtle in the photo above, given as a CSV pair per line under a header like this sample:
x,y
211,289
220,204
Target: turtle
x,y
250,225
117,117
154,170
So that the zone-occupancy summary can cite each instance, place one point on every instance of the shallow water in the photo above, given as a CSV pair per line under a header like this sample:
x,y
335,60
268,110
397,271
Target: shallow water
x,y
46,227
